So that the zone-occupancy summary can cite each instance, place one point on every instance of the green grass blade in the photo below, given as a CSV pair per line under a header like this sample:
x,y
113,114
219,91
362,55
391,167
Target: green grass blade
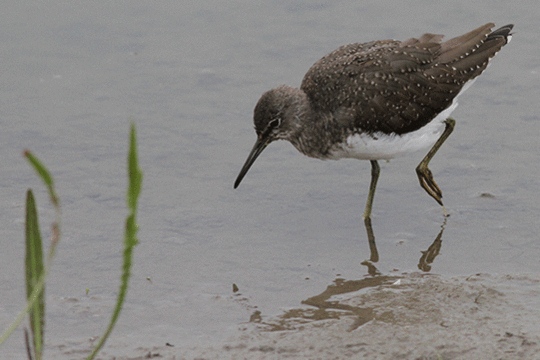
x,y
130,235
55,200
135,174
36,296
34,270
43,174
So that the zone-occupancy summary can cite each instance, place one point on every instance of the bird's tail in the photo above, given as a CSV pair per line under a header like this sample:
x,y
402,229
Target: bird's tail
x,y
468,55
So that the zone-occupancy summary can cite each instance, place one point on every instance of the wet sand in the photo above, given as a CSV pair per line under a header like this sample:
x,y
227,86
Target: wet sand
x,y
403,317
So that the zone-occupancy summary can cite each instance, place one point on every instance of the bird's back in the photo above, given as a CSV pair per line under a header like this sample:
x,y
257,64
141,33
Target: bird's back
x,y
398,87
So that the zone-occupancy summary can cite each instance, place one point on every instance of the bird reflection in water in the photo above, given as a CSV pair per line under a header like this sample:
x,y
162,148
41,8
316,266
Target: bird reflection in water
x,y
424,264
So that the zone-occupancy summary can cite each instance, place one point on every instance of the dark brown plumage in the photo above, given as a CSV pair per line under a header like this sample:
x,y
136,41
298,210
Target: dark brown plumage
x,y
398,87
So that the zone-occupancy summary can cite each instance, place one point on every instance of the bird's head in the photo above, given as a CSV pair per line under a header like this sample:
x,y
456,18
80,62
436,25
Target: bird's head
x,y
276,118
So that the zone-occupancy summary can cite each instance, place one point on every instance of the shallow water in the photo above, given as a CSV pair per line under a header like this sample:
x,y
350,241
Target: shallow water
x,y
189,76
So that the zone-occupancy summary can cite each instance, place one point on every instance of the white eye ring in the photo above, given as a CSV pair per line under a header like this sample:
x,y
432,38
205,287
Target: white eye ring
x,y
272,123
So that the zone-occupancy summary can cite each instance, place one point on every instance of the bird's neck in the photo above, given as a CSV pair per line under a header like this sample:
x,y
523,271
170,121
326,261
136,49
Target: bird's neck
x,y
313,133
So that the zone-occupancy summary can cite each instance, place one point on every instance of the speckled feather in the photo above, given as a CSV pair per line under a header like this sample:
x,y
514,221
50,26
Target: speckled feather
x,y
397,87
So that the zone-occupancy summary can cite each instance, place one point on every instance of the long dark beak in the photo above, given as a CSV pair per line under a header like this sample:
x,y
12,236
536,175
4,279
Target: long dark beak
x,y
258,148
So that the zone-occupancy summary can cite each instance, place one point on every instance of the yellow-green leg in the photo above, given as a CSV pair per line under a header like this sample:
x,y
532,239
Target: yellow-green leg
x,y
424,174
371,241
375,171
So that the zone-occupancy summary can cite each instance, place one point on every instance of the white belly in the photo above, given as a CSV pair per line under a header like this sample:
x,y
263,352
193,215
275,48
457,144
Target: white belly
x,y
380,146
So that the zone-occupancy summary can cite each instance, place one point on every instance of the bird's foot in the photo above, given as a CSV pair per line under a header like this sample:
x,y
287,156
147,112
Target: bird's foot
x,y
428,183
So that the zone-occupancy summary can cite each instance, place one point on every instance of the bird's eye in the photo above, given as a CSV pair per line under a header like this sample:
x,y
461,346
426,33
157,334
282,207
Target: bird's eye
x,y
274,123
271,127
